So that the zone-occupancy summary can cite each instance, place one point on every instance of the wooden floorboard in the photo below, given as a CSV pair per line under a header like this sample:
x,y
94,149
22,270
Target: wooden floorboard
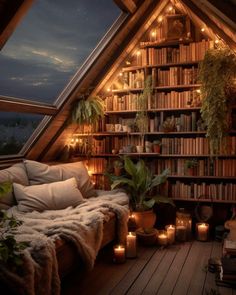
x,y
177,270
171,278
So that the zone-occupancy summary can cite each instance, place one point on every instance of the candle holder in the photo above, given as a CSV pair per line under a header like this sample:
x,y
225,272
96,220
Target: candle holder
x,y
170,230
202,232
119,254
184,218
131,223
181,233
162,238
131,250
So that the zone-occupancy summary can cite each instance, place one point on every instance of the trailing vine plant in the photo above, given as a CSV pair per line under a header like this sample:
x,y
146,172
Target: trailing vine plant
x,y
141,119
217,75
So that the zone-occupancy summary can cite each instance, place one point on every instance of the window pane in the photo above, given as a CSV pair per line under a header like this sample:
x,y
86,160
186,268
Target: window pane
x,y
50,44
15,130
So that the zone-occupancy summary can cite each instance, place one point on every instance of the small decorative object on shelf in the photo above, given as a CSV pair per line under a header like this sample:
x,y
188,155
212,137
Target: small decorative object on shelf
x,y
170,230
162,238
184,218
119,254
202,231
131,251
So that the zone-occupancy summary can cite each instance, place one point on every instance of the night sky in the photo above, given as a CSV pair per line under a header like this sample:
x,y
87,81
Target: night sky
x,y
50,44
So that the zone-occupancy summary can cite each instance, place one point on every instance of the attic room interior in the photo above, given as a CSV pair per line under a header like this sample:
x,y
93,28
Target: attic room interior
x,y
118,147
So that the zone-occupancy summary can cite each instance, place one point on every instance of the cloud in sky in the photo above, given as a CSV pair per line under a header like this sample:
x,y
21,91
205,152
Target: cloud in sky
x,y
50,44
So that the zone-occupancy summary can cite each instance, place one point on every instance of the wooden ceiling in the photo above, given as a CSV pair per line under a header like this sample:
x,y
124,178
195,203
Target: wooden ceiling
x,y
121,40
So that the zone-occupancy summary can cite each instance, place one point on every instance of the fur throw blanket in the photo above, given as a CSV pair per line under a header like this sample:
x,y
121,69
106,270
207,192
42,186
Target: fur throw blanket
x,y
83,225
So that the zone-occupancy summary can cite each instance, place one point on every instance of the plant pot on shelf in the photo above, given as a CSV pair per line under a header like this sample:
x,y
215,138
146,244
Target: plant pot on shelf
x,y
156,148
139,149
145,219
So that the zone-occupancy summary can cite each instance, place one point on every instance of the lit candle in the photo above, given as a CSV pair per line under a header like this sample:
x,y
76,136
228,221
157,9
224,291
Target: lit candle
x,y
162,238
131,245
202,230
170,230
181,233
119,254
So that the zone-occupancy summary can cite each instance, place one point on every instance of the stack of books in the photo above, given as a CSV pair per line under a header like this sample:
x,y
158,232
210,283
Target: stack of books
x,y
226,276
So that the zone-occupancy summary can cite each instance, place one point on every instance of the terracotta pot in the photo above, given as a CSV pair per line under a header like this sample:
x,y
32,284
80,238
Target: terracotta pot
x,y
147,238
145,219
156,148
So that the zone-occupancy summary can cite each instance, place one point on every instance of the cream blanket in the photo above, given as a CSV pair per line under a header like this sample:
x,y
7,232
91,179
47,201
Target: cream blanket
x,y
83,225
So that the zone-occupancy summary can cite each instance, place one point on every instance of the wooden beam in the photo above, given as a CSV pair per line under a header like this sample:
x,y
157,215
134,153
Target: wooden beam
x,y
127,5
11,14
9,104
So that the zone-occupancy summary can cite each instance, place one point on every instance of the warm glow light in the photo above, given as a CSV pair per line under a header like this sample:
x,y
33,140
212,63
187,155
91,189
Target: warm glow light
x,y
160,19
169,9
120,74
217,41
198,91
153,33
203,29
77,140
90,172
108,89
72,140
128,62
138,52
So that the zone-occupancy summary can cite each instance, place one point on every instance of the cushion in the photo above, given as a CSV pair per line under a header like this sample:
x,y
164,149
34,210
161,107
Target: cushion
x,y
48,196
16,173
39,173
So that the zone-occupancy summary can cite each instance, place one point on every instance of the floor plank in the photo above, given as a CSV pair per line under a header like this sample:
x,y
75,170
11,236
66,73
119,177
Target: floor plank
x,y
171,278
142,280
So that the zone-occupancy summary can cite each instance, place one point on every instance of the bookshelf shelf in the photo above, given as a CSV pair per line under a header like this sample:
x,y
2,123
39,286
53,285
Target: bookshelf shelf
x,y
164,65
124,112
164,43
196,177
205,200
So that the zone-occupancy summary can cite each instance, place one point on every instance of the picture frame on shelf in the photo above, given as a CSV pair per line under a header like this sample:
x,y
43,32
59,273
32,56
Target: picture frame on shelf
x,y
177,27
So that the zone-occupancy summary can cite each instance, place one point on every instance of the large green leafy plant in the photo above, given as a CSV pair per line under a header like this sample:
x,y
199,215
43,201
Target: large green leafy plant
x,y
140,184
217,75
10,249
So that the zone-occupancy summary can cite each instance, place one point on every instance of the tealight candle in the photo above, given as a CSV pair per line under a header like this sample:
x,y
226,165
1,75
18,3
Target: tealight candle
x,y
202,230
162,238
131,245
170,230
119,254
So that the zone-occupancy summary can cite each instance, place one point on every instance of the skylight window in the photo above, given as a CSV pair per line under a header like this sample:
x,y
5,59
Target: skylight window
x,y
50,44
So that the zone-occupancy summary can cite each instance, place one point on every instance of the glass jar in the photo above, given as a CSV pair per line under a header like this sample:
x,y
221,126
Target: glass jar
x,y
183,218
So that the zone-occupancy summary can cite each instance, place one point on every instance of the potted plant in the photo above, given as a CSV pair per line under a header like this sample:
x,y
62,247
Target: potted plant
x,y
141,186
118,165
10,250
217,78
190,165
141,119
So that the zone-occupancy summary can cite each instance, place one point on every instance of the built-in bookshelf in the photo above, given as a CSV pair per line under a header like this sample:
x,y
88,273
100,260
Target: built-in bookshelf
x,y
173,66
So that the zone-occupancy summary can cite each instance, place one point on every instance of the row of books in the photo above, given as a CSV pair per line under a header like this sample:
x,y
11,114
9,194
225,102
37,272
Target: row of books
x,y
100,182
97,165
174,76
194,51
194,146
204,167
221,191
133,79
172,99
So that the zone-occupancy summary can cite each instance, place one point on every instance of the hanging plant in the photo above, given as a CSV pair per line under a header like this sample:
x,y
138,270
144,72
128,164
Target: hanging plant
x,y
141,119
217,75
87,111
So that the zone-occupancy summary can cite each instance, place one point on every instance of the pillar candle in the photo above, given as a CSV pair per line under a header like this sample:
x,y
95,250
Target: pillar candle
x,y
181,233
162,238
202,230
170,230
119,254
131,245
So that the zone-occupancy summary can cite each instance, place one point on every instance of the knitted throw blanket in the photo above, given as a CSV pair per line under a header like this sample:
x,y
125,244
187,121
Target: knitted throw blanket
x,y
83,225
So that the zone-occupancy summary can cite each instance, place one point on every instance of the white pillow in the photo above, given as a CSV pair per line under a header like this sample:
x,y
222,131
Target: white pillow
x,y
39,173
49,196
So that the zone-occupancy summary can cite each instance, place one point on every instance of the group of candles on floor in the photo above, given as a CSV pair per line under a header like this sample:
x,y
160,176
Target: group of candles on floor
x,y
179,232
